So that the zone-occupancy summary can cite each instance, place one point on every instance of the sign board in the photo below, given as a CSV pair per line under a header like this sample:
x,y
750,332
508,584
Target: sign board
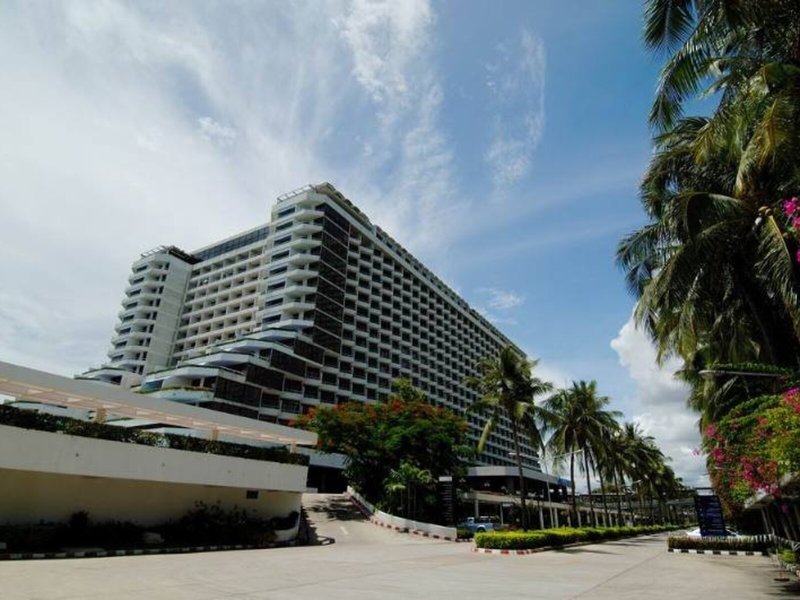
x,y
709,515
447,500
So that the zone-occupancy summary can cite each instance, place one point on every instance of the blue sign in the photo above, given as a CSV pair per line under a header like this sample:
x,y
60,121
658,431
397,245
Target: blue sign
x,y
709,515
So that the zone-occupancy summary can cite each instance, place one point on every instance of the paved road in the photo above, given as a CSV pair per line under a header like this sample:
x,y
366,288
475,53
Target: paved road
x,y
367,561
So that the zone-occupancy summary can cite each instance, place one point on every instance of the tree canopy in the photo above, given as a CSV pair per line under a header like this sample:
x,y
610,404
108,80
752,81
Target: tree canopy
x,y
379,438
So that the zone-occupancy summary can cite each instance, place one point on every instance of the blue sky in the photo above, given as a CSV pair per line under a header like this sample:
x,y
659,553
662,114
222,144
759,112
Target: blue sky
x,y
500,142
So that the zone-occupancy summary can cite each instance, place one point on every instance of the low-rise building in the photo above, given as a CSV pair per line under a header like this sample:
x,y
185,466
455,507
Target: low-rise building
x,y
48,474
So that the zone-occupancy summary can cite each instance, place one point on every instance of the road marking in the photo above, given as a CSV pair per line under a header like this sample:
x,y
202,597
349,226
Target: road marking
x,y
344,531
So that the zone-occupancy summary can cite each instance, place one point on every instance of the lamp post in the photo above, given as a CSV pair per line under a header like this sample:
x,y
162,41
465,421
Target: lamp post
x,y
512,454
554,512
630,502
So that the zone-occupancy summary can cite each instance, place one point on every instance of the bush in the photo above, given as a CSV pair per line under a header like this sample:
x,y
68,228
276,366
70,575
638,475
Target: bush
x,y
746,544
463,533
202,526
28,419
519,540
788,556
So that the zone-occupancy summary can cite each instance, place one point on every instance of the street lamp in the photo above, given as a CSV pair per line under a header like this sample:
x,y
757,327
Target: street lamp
x,y
554,512
555,458
512,454
711,373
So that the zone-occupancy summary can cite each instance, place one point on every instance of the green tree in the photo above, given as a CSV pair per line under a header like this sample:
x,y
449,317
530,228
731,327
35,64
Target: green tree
x,y
606,460
378,438
508,388
579,421
646,466
715,270
406,481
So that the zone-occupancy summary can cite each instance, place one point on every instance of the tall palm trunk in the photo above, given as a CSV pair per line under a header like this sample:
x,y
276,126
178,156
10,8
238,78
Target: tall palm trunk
x,y
603,495
605,504
640,495
630,502
589,486
522,489
572,481
619,500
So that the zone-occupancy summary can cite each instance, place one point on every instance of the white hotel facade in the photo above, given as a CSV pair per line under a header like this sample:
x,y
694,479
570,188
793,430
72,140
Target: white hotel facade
x,y
317,307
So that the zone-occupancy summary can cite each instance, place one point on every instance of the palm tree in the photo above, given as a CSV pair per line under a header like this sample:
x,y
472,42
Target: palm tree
x,y
579,421
647,464
508,388
406,480
613,464
718,44
715,270
606,459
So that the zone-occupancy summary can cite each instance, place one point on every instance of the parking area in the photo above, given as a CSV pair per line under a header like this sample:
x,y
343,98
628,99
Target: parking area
x,y
365,566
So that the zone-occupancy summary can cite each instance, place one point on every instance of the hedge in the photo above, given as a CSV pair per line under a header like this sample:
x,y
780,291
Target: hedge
x,y
526,540
28,419
205,524
745,544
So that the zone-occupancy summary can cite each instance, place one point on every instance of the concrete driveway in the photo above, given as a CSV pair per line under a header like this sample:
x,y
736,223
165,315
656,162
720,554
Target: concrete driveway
x,y
366,561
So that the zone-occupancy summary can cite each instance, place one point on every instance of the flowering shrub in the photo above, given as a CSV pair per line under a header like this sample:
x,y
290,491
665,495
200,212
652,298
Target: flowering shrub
x,y
754,447
378,438
791,208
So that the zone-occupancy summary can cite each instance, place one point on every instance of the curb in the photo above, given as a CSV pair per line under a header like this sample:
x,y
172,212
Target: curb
x,y
509,552
140,551
537,550
717,552
433,536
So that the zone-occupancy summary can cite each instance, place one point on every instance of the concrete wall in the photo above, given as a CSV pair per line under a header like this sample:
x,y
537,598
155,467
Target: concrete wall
x,y
46,452
399,522
30,497
48,476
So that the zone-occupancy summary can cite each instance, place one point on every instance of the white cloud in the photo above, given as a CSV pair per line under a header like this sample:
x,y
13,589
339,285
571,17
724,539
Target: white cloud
x,y
126,126
516,79
494,304
659,405
559,377
501,299
217,133
386,39
510,159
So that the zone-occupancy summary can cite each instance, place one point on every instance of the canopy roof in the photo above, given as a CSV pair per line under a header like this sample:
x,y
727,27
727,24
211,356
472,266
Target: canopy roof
x,y
38,386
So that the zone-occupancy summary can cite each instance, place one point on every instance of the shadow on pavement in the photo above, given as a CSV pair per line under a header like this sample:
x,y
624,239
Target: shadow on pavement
x,y
635,542
580,550
781,589
339,509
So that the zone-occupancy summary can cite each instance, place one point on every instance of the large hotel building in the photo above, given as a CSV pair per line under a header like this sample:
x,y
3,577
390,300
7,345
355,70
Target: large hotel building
x,y
317,307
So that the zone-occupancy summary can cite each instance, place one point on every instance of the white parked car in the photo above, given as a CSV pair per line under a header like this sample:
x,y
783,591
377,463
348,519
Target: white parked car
x,y
695,533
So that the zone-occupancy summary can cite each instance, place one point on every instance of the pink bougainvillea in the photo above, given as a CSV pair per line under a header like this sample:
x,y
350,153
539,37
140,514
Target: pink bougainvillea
x,y
751,451
791,206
